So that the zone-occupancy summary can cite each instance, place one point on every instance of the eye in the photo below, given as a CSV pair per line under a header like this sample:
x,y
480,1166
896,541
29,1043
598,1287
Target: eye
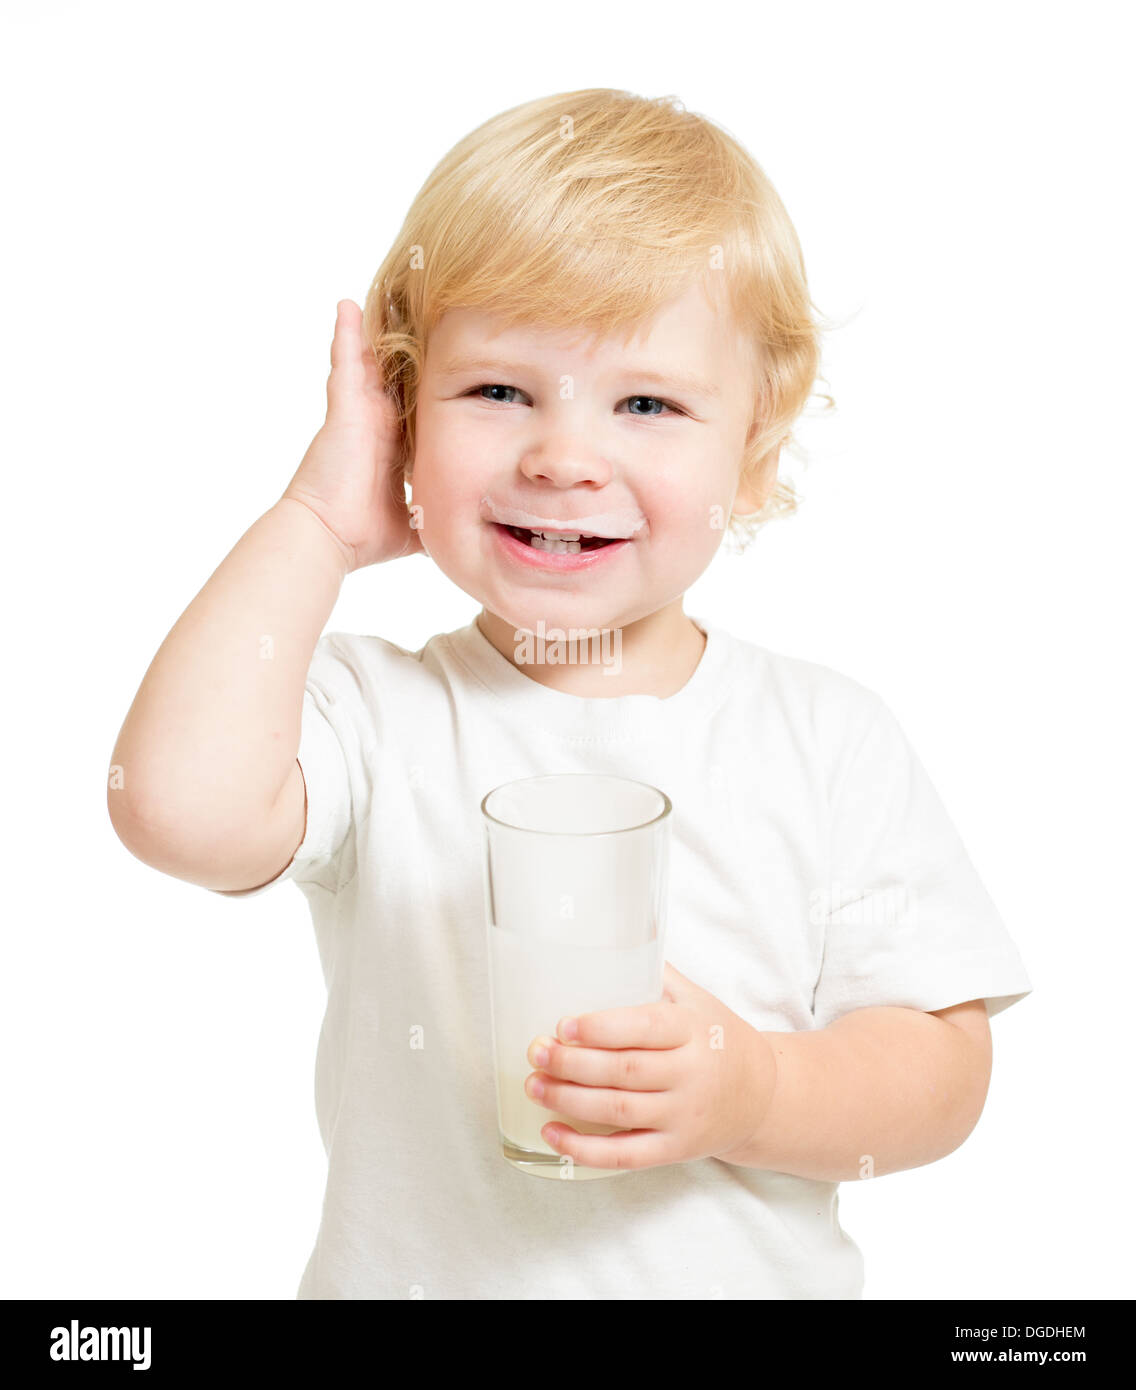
x,y
635,401
651,400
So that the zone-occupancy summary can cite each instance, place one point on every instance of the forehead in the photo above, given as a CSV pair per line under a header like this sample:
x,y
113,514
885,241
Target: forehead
x,y
694,334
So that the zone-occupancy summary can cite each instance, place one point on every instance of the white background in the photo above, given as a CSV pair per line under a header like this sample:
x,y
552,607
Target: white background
x,y
189,190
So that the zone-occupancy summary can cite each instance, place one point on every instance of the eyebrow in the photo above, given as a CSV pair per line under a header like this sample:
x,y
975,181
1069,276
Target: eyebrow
x,y
678,381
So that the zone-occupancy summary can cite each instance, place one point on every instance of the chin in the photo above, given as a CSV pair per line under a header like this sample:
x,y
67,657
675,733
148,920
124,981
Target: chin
x,y
566,616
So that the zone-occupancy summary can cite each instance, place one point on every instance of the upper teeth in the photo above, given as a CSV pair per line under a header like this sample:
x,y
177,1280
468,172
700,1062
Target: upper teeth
x,y
571,535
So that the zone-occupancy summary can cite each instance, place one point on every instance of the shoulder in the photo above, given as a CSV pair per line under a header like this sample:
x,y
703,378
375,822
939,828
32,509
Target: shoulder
x,y
364,657
806,693
804,713
368,679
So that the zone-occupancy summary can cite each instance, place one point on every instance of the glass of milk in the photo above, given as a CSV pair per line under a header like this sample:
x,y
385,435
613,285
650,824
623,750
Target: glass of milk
x,y
575,900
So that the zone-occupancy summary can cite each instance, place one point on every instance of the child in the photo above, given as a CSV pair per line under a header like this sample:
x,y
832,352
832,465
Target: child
x,y
825,923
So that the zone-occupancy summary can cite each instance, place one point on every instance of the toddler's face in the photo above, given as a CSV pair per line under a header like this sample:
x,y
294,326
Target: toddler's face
x,y
533,425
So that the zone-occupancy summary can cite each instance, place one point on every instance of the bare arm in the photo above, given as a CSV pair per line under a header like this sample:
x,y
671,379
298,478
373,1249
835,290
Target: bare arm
x,y
205,783
879,1090
210,741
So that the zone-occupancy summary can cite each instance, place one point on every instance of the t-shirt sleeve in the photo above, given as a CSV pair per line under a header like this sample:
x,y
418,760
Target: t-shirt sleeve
x,y
327,741
908,922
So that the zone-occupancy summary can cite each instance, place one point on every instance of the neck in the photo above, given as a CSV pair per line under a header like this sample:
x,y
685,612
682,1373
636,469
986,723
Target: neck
x,y
655,655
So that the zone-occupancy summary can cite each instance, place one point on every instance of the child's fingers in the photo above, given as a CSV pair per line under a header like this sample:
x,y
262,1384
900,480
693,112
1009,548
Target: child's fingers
x,y
347,374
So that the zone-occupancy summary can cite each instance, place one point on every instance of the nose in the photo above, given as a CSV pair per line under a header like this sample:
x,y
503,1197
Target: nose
x,y
565,460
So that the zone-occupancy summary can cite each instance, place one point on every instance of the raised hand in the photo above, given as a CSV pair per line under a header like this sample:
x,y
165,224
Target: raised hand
x,y
352,474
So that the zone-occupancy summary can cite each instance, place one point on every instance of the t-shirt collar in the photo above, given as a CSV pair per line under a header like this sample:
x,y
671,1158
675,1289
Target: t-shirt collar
x,y
623,716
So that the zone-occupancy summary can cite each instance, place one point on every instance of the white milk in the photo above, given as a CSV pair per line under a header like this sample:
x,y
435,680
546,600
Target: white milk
x,y
536,979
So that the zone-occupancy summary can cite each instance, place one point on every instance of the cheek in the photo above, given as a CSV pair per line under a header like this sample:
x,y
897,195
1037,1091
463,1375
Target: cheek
x,y
685,491
687,517
456,451
449,474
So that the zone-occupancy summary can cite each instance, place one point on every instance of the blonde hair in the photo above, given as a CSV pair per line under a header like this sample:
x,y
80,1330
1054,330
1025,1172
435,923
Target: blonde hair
x,y
592,209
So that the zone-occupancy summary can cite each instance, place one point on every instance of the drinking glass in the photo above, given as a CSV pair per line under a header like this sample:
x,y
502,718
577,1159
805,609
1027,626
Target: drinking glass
x,y
575,898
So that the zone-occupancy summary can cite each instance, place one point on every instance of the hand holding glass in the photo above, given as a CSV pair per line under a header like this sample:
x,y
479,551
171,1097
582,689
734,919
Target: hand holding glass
x,y
575,883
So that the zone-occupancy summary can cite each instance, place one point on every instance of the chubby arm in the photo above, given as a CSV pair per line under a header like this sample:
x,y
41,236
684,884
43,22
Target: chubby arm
x,y
208,787
879,1090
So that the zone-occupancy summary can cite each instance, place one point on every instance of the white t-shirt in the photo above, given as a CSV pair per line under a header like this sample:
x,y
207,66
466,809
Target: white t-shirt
x,y
813,871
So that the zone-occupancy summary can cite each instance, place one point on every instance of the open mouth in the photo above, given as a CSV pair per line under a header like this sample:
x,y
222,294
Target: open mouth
x,y
554,543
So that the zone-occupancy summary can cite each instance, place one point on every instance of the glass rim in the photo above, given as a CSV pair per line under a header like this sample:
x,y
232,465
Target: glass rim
x,y
579,834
